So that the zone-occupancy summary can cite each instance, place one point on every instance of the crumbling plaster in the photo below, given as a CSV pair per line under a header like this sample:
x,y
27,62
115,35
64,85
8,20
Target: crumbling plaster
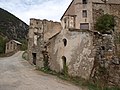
x,y
78,52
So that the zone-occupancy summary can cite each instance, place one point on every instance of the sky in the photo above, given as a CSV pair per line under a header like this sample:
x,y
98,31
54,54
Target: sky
x,y
39,9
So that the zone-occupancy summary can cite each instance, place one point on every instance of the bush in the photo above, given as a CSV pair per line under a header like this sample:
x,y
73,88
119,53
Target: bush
x,y
24,45
105,23
25,55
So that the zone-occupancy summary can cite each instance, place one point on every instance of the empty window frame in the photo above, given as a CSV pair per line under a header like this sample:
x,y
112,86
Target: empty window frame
x,y
84,1
84,26
84,13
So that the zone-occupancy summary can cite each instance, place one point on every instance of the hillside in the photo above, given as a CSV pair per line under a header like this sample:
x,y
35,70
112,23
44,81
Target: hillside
x,y
11,26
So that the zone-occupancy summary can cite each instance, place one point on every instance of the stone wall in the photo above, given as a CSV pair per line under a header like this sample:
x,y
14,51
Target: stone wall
x,y
35,34
76,11
85,53
39,33
101,9
79,52
54,48
106,69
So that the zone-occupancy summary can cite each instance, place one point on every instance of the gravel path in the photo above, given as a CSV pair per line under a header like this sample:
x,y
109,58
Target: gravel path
x,y
18,74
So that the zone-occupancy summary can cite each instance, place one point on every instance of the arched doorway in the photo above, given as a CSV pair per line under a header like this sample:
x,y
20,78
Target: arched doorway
x,y
65,68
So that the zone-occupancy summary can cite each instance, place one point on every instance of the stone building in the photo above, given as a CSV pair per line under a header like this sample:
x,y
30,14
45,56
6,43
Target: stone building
x,y
39,33
75,46
12,46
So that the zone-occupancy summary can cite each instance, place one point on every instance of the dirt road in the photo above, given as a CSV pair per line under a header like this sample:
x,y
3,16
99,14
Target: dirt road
x,y
18,74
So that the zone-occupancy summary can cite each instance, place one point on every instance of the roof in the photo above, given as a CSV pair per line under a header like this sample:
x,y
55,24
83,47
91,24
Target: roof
x,y
54,35
16,42
80,30
67,9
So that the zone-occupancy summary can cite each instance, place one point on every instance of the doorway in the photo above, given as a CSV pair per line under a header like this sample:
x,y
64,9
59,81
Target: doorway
x,y
65,68
34,58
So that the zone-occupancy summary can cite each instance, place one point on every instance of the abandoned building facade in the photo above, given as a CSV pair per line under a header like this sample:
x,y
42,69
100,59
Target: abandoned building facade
x,y
74,43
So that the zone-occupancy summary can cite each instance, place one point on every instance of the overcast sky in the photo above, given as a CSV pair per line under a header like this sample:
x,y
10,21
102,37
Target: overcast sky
x,y
40,9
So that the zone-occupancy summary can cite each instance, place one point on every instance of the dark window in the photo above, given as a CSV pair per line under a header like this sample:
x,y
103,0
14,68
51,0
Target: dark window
x,y
31,23
65,42
84,13
103,48
84,1
37,23
65,21
84,26
15,46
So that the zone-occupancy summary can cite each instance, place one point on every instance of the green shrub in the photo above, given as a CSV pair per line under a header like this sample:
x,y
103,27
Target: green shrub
x,y
24,45
105,23
25,55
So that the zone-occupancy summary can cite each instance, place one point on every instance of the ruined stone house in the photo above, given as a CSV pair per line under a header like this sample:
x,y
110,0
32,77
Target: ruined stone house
x,y
12,46
74,43
39,33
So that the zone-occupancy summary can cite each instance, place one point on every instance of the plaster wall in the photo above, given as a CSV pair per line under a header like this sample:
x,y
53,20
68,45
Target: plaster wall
x,y
79,52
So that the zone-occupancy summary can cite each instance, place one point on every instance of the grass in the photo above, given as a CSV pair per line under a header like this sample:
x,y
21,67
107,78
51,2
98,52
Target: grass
x,y
74,80
77,80
7,54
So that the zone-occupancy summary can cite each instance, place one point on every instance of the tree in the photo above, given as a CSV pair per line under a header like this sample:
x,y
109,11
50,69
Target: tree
x,y
24,45
105,23
2,45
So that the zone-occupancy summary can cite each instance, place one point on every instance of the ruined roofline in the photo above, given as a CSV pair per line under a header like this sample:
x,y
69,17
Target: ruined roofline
x,y
80,30
106,3
54,35
44,20
77,30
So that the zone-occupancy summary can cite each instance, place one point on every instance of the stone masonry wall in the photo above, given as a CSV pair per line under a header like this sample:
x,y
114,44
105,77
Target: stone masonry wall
x,y
39,33
36,41
106,68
